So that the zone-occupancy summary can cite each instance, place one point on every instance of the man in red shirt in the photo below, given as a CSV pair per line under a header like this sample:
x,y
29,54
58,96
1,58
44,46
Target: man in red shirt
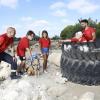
x,y
7,40
88,32
22,47
88,35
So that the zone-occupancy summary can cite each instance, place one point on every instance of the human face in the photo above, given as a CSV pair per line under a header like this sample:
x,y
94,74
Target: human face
x,y
83,25
44,35
11,32
30,37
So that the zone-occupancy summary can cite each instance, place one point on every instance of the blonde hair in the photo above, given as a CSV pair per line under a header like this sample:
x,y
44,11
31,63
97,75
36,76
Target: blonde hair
x,y
11,28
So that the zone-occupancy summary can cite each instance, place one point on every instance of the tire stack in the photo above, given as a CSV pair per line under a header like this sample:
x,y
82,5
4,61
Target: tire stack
x,y
80,63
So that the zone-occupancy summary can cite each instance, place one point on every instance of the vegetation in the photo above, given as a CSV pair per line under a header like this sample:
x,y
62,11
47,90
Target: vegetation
x,y
70,30
55,37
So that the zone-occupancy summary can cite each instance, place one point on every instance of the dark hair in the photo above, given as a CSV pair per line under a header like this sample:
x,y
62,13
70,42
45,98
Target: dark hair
x,y
44,31
30,33
84,21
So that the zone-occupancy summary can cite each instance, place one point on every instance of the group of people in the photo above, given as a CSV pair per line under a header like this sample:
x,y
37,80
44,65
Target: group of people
x,y
7,39
23,46
88,34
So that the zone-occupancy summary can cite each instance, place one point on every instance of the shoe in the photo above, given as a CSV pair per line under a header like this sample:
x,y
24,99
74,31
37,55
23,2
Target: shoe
x,y
14,76
45,71
20,73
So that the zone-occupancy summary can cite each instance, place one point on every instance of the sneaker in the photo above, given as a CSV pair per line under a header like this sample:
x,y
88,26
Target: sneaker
x,y
45,71
20,73
14,76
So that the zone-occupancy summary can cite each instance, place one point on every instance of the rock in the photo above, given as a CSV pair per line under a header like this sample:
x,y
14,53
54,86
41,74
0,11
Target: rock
x,y
75,98
23,97
57,90
45,96
55,58
11,95
59,79
67,96
87,96
26,87
5,70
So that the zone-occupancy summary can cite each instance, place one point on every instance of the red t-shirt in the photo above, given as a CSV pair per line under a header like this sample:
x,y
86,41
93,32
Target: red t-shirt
x,y
45,43
22,45
88,33
82,39
74,40
5,41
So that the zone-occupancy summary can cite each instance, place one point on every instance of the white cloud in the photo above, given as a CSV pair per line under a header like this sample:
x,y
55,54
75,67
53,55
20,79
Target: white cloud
x,y
36,25
83,6
26,18
59,13
40,22
9,3
68,22
58,5
30,20
23,27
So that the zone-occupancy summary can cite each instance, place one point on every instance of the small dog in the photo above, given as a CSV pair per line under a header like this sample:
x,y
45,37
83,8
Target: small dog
x,y
34,66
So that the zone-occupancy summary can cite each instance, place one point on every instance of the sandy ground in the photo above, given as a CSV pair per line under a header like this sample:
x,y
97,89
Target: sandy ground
x,y
48,86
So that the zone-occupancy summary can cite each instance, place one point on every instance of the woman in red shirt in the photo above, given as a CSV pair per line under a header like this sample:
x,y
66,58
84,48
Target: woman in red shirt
x,y
44,46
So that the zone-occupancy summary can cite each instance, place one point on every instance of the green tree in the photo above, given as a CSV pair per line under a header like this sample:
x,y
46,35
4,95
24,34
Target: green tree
x,y
67,32
70,30
98,30
55,37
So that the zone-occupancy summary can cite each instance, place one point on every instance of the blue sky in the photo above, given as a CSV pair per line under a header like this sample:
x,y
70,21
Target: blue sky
x,y
52,15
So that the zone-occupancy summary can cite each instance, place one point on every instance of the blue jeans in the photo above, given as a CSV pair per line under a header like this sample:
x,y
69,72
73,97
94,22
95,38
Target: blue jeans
x,y
9,59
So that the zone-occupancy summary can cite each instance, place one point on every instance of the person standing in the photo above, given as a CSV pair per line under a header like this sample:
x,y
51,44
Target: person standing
x,y
45,43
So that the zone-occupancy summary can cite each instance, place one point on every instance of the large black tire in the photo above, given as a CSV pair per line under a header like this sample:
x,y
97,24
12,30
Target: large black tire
x,y
79,66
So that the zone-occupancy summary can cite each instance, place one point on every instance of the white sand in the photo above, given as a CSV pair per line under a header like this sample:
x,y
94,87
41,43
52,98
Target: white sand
x,y
48,86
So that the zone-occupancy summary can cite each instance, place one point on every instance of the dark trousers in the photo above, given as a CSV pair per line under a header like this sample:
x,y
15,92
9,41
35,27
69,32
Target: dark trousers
x,y
9,59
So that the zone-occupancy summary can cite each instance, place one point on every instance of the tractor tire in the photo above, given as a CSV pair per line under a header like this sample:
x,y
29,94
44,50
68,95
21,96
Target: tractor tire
x,y
81,67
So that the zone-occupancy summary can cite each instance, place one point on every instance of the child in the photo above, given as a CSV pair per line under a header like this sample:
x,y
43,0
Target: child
x,y
7,40
22,47
77,38
44,46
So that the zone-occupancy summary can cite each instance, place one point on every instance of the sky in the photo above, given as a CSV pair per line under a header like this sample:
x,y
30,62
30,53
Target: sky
x,y
50,15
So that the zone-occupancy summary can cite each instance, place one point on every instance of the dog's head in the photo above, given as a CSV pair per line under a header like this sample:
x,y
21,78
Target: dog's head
x,y
31,71
35,62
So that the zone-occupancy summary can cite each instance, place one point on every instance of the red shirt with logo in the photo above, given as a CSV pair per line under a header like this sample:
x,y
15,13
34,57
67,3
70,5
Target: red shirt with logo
x,y
45,43
88,33
5,41
22,45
